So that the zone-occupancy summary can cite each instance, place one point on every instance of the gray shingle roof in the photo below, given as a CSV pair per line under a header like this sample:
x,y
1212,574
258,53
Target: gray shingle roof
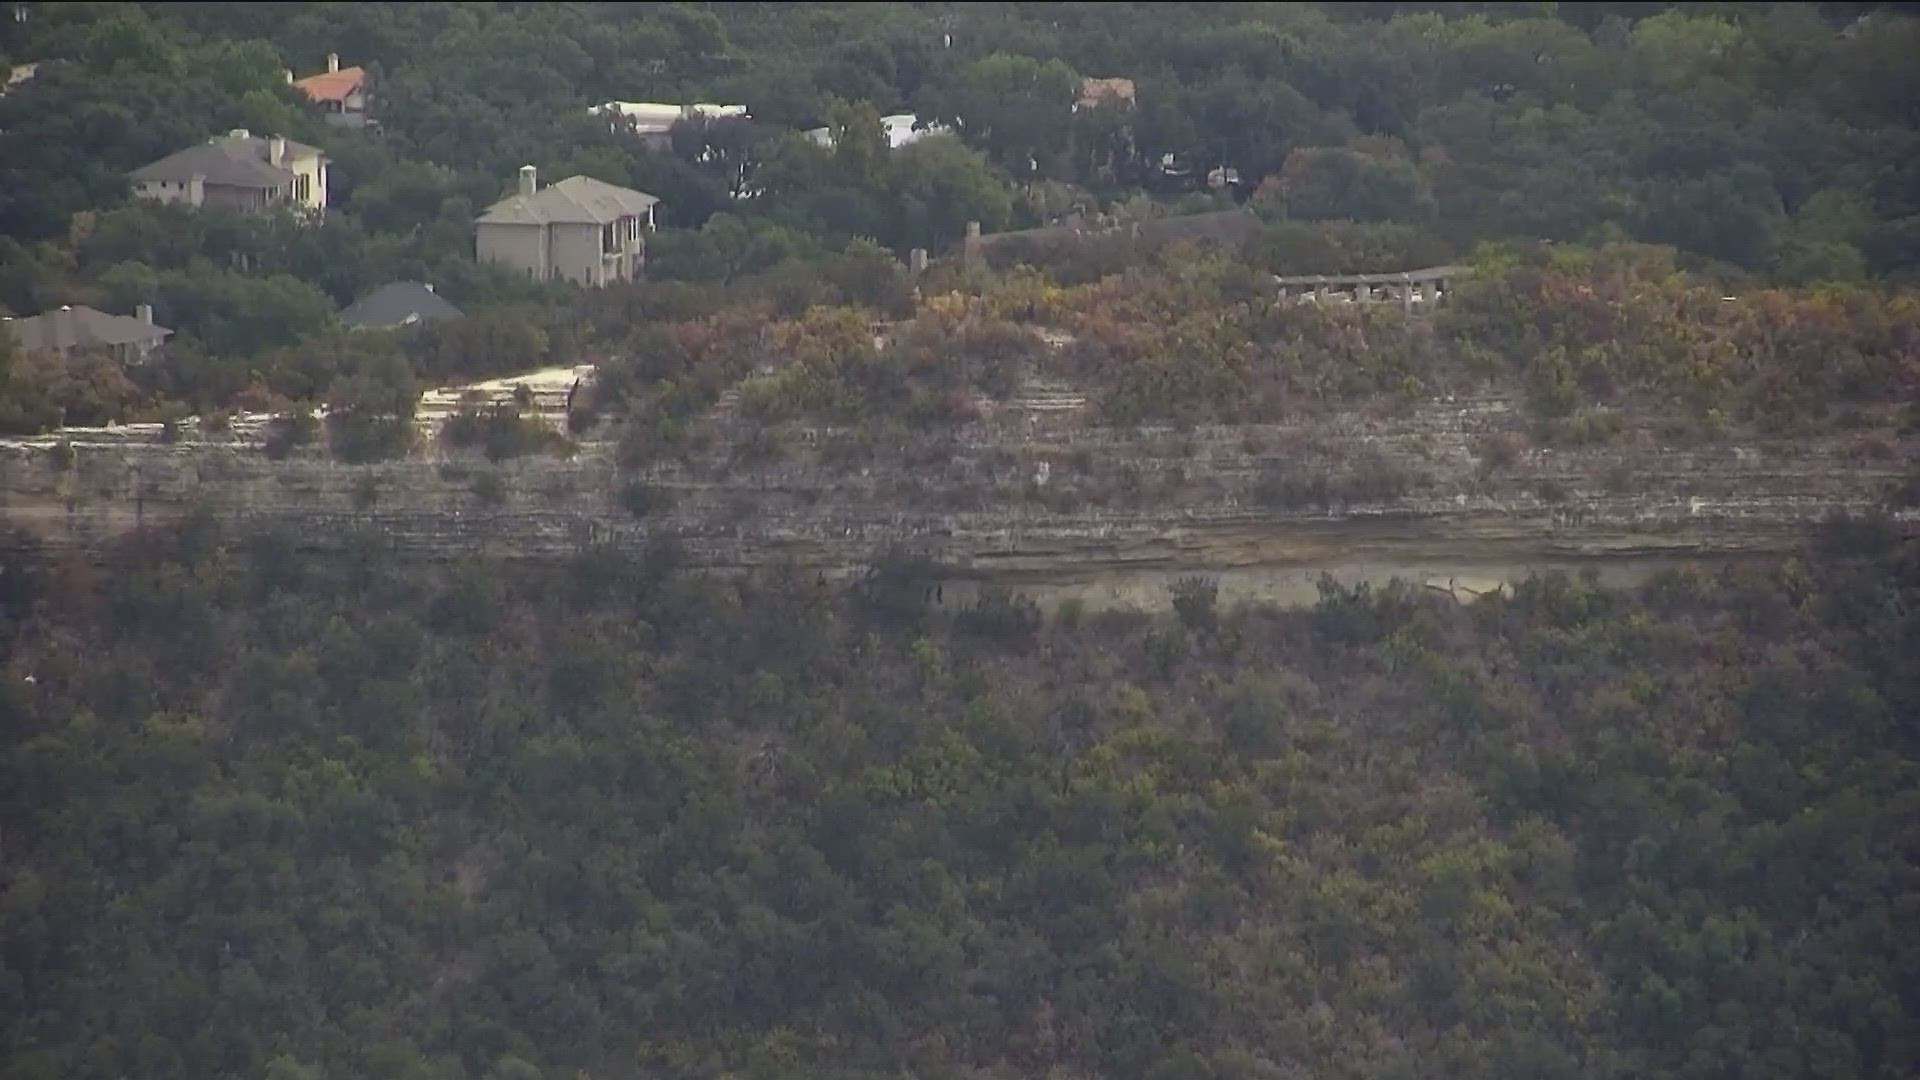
x,y
396,304
232,160
81,327
579,200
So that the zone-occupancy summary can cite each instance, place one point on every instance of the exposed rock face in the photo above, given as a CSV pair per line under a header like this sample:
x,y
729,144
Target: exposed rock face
x,y
1030,492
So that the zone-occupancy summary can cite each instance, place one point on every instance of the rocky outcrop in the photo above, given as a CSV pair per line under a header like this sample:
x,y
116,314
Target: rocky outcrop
x,y
1029,492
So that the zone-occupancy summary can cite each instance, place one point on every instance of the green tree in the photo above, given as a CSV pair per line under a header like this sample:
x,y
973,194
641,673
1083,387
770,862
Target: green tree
x,y
1018,109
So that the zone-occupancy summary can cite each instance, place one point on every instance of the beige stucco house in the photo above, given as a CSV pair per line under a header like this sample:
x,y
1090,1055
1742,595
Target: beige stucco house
x,y
238,171
579,230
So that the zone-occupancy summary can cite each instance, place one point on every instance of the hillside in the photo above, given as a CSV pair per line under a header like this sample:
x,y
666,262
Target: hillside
x,y
290,816
1118,541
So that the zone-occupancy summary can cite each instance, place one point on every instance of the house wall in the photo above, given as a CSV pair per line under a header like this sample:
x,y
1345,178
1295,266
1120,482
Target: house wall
x,y
315,170
576,254
246,200
521,247
573,252
166,191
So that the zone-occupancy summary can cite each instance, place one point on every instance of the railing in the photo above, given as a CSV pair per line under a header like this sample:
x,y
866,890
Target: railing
x,y
1408,287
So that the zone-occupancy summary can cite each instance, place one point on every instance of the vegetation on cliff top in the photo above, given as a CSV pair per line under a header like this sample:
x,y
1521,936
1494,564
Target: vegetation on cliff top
x,y
1768,144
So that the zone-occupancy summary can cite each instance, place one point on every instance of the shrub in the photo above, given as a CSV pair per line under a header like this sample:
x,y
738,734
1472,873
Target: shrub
x,y
1290,486
288,431
1374,478
1071,612
501,432
1497,453
366,491
1904,494
999,616
490,488
642,499
358,437
1196,601
1619,478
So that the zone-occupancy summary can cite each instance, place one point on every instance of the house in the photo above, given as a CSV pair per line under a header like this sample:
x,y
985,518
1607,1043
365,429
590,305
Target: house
x,y
579,230
74,329
238,171
398,303
902,129
341,92
1095,93
653,121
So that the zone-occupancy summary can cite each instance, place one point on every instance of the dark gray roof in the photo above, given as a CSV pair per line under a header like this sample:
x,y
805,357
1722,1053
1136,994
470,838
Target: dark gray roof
x,y
397,304
234,160
82,327
578,200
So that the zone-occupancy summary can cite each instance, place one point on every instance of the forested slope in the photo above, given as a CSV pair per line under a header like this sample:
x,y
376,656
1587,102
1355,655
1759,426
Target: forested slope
x,y
267,813
269,816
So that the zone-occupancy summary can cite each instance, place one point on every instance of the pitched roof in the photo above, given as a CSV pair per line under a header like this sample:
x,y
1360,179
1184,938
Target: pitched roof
x,y
1094,92
82,327
398,303
333,85
579,200
236,159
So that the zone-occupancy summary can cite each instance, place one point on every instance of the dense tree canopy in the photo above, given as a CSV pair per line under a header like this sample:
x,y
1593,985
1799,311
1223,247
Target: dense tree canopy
x,y
275,815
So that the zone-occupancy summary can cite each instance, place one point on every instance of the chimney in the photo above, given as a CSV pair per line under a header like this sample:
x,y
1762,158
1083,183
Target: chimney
x,y
917,261
970,247
145,312
528,184
276,151
429,285
333,62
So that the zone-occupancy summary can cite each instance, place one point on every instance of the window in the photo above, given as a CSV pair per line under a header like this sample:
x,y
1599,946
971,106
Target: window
x,y
609,242
301,187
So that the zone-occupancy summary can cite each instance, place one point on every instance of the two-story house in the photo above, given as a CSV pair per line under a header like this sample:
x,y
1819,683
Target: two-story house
x,y
579,230
239,171
341,92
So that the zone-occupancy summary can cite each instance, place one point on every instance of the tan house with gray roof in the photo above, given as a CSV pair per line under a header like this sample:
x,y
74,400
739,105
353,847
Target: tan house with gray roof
x,y
239,171
579,230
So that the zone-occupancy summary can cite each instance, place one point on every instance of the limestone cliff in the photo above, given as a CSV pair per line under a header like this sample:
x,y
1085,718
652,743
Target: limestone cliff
x,y
1030,492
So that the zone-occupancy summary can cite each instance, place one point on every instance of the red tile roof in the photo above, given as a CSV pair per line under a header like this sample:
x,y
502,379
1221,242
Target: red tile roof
x,y
333,85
